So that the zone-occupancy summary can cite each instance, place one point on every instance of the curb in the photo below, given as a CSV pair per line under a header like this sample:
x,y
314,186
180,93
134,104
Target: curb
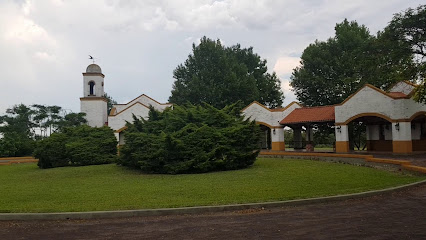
x,y
196,210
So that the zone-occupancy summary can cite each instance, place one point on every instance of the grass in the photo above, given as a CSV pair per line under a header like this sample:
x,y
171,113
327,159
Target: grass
x,y
26,188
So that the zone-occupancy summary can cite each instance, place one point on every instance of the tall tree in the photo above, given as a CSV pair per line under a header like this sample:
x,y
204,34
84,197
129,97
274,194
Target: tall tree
x,y
72,120
110,102
330,71
16,128
408,28
220,76
22,124
18,119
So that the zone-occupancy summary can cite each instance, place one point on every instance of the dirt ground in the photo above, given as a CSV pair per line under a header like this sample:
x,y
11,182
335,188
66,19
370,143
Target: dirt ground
x,y
399,215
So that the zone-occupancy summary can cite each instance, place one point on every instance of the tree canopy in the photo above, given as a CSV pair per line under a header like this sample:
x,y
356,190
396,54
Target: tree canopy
x,y
22,124
220,76
110,102
408,28
16,130
332,70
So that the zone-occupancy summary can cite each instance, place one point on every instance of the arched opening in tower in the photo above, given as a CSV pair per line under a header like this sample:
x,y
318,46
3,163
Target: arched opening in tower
x,y
92,88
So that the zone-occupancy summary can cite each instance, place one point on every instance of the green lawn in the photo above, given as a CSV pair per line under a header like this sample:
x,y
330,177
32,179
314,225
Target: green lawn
x,y
26,188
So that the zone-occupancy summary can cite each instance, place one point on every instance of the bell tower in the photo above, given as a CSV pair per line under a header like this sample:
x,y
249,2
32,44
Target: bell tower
x,y
93,102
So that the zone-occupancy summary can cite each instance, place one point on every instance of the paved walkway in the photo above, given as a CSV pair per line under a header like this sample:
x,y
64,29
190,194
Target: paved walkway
x,y
398,215
8,161
415,159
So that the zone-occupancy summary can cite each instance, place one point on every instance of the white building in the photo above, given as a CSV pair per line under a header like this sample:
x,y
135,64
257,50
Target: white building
x,y
94,104
395,122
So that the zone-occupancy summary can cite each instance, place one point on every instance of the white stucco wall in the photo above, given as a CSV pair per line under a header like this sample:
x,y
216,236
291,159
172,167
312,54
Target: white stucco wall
x,y
98,88
402,87
373,132
259,113
96,112
404,132
278,136
342,133
149,102
368,100
144,100
119,107
124,113
411,107
118,121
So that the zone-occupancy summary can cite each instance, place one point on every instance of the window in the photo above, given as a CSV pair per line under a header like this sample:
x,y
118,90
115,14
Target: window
x,y
92,88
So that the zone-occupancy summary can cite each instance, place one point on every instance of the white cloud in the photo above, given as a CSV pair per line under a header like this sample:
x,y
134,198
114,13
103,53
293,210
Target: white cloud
x,y
24,30
285,85
44,43
44,56
160,21
26,7
288,92
284,65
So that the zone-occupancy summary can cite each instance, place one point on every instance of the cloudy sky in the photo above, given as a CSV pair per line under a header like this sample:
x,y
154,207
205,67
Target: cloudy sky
x,y
44,44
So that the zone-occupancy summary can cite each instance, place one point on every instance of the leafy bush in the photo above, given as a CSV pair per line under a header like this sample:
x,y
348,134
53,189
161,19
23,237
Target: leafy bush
x,y
190,139
77,146
14,144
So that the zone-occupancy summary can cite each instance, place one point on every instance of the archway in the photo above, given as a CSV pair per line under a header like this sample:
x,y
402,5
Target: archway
x,y
319,135
371,133
91,88
418,131
265,137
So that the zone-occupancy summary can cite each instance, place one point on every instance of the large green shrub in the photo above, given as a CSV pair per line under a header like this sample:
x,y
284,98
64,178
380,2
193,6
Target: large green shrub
x,y
16,144
190,139
77,146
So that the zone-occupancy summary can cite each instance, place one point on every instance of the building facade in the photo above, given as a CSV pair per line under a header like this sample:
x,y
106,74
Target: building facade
x,y
394,121
94,104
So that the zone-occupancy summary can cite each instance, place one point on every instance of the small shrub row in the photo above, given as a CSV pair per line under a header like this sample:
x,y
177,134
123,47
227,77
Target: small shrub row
x,y
14,144
77,146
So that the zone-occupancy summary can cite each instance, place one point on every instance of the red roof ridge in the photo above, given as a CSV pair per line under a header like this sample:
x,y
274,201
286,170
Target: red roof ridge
x,y
310,115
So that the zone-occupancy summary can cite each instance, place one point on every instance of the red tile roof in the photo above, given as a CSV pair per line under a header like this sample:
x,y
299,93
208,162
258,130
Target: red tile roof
x,y
310,115
397,94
